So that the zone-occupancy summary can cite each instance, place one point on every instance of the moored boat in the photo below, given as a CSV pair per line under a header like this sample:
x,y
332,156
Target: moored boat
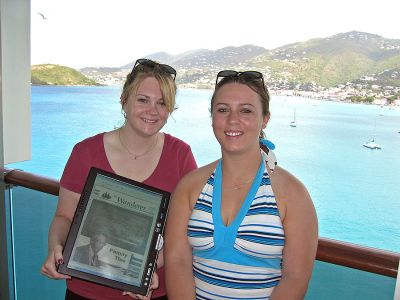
x,y
372,145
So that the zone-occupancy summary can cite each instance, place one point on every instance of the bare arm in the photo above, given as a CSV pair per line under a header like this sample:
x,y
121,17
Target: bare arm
x,y
58,232
178,252
301,239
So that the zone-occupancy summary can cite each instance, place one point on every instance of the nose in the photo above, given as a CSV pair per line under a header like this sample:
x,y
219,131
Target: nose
x,y
152,108
233,117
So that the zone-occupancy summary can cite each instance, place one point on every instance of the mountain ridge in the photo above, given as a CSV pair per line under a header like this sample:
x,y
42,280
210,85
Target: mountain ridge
x,y
326,62
314,64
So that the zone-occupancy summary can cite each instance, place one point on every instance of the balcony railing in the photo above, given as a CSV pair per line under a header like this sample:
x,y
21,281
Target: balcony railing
x,y
370,260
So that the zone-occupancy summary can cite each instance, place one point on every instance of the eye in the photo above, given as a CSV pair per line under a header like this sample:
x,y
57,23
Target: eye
x,y
142,99
161,102
222,109
246,111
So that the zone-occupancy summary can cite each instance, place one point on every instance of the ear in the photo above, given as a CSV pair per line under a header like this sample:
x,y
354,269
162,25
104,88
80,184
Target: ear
x,y
122,103
266,120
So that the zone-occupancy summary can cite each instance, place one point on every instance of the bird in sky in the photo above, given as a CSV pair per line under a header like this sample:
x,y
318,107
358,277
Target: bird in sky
x,y
42,15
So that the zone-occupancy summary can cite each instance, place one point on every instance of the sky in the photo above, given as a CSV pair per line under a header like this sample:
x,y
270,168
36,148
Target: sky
x,y
112,33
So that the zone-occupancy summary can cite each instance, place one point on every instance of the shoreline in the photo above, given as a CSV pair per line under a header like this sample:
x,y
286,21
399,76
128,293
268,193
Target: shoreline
x,y
287,93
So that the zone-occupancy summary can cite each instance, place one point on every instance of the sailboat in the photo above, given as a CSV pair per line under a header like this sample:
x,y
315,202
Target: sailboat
x,y
293,123
372,144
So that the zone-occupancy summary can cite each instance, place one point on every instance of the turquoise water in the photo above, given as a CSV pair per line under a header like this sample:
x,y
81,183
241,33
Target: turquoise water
x,y
355,190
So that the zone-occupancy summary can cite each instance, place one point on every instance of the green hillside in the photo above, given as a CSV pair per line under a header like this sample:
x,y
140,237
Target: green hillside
x,y
343,59
58,75
331,70
338,59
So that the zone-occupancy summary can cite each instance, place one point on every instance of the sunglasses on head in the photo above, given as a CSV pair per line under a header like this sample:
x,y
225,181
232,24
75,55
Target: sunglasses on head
x,y
245,75
152,64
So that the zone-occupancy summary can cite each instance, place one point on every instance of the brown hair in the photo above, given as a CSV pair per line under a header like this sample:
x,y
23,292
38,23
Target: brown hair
x,y
256,85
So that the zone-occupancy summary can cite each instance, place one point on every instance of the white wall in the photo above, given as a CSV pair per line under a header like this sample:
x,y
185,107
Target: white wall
x,y
15,92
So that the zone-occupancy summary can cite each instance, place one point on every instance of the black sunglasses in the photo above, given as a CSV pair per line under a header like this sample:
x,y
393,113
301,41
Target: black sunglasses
x,y
152,64
245,75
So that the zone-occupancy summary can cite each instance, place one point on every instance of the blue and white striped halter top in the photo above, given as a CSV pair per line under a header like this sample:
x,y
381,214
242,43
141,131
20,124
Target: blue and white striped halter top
x,y
241,260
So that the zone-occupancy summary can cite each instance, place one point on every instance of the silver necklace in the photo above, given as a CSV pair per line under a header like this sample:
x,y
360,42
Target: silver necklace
x,y
241,185
136,156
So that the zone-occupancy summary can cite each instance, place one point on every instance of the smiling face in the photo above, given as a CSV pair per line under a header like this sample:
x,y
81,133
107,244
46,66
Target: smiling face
x,y
237,118
145,109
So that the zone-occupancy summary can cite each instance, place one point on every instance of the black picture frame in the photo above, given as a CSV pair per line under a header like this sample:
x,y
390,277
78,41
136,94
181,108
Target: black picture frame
x,y
116,232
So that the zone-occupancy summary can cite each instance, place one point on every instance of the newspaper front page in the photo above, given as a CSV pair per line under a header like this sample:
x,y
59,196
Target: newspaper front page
x,y
116,230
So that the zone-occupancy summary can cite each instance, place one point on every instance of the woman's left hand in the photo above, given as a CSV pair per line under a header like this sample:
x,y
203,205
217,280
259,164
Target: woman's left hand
x,y
153,286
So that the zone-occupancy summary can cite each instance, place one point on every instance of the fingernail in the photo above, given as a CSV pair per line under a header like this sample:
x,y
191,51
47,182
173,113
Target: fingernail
x,y
59,261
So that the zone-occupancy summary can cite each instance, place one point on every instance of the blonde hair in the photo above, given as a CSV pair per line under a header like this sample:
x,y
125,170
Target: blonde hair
x,y
140,73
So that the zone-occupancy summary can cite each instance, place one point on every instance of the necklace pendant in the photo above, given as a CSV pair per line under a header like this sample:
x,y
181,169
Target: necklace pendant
x,y
136,156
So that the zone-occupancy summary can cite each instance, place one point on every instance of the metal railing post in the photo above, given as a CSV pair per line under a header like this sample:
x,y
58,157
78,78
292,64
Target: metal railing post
x,y
397,288
7,282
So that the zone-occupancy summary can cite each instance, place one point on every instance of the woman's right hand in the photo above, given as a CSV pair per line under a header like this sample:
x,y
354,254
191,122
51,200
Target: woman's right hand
x,y
55,258
67,202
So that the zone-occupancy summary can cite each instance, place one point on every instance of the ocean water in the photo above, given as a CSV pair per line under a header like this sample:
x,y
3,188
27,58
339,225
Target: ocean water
x,y
355,190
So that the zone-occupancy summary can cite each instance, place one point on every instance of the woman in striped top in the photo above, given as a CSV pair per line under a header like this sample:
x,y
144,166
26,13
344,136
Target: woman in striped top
x,y
240,227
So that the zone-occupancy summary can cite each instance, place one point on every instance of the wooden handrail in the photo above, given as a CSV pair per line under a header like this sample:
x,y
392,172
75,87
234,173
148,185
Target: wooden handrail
x,y
330,251
31,181
354,256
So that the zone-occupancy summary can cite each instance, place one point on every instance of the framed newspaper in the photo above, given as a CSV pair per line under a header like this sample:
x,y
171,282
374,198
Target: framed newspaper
x,y
116,232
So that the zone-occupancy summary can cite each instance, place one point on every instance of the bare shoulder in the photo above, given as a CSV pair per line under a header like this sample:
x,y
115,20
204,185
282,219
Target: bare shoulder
x,y
197,175
282,179
193,182
289,190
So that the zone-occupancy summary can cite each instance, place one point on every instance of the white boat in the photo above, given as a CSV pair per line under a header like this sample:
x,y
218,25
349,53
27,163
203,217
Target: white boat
x,y
293,123
372,145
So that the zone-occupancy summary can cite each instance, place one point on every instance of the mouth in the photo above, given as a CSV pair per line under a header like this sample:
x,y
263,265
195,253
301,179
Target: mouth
x,y
149,121
233,133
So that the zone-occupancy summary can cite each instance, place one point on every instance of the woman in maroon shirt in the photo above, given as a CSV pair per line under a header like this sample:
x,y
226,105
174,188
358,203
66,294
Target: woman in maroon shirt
x,y
137,150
